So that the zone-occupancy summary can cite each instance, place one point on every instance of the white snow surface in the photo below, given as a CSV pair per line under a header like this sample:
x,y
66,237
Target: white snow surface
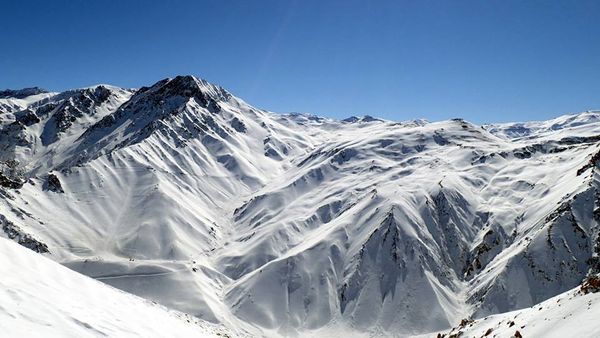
x,y
40,298
295,225
570,314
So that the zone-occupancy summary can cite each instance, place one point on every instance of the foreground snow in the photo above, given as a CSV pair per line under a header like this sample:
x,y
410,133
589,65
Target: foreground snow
x,y
40,298
571,314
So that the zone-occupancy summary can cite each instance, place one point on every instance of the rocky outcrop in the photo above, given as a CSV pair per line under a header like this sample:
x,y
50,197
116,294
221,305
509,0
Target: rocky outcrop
x,y
16,234
53,184
11,183
591,284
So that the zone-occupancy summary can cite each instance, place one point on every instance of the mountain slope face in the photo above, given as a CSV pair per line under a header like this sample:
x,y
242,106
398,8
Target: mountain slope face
x,y
294,224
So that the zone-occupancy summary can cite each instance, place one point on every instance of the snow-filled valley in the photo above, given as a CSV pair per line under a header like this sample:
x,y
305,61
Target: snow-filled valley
x,y
262,224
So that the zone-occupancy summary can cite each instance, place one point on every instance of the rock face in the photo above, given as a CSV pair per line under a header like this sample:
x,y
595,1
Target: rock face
x,y
8,182
183,194
591,284
53,184
15,233
11,175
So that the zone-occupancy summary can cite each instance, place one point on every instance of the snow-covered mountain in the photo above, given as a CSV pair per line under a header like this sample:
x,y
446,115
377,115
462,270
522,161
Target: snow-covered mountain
x,y
295,224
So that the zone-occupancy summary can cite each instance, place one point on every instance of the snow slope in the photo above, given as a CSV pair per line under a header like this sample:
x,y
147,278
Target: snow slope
x,y
569,314
39,297
295,224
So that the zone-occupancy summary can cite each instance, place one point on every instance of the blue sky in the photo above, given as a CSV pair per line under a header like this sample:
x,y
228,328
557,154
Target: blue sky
x,y
486,61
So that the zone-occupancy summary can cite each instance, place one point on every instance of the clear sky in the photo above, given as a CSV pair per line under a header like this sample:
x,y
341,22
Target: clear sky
x,y
486,61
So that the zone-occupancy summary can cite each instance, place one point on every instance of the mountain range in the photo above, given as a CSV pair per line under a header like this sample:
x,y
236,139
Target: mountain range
x,y
231,220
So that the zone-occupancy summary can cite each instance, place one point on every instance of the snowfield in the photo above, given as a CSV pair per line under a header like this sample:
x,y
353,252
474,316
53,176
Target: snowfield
x,y
39,297
298,225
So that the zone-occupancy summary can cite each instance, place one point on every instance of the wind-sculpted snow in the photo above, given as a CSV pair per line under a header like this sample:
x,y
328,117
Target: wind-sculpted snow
x,y
301,225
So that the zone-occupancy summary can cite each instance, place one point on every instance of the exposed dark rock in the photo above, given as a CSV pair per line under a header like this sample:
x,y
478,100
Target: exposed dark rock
x,y
272,153
53,184
190,87
344,155
479,257
523,152
590,164
16,234
27,118
11,183
439,139
464,322
590,285
369,118
11,174
366,118
73,105
238,125
579,139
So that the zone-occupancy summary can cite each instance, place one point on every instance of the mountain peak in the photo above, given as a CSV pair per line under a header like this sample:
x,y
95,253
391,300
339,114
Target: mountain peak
x,y
187,86
365,118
